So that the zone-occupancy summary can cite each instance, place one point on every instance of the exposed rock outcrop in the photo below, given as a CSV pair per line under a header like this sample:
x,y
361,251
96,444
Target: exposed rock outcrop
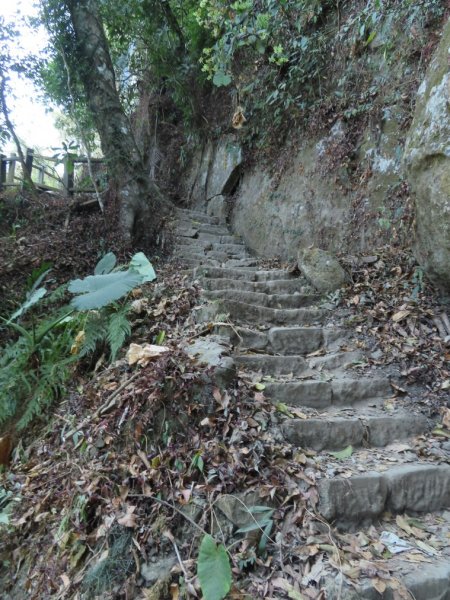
x,y
427,158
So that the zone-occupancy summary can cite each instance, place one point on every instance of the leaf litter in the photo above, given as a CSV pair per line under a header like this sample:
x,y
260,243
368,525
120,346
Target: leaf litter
x,y
143,477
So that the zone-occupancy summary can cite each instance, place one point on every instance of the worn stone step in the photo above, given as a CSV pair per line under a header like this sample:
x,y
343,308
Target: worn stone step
x,y
295,300
223,239
241,312
194,242
187,229
196,217
280,286
338,432
336,360
225,255
239,263
230,248
273,365
304,340
411,488
323,394
197,262
429,583
250,274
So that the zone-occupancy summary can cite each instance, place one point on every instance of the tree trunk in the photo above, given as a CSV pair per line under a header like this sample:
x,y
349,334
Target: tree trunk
x,y
142,206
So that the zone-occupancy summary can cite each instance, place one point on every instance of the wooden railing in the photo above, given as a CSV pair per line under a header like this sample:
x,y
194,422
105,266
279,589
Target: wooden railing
x,y
44,173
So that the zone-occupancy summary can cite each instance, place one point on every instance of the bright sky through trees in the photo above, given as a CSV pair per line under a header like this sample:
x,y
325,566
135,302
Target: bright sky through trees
x,y
34,125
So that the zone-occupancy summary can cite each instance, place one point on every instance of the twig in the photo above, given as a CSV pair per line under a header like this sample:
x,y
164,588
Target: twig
x,y
170,537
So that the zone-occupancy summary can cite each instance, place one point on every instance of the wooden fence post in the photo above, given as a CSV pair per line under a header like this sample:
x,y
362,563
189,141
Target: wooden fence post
x,y
2,170
68,178
12,169
29,161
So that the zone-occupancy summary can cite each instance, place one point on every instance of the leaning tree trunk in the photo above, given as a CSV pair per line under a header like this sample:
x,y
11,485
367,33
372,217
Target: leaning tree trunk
x,y
142,206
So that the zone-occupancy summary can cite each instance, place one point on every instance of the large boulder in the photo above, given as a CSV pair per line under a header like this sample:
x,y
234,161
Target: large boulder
x,y
427,160
321,269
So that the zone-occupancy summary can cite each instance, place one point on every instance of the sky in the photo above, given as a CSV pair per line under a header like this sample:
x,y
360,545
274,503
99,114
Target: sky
x,y
34,125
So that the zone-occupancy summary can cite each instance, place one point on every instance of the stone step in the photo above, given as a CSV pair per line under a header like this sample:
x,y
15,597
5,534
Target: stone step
x,y
230,248
429,583
220,239
199,262
240,262
304,340
334,432
241,312
192,242
188,229
336,360
196,217
250,274
280,286
323,394
270,300
214,254
226,256
413,488
273,365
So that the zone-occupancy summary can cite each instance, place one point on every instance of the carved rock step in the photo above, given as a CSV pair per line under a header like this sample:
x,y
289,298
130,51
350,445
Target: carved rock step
x,y
287,340
241,312
294,300
197,262
192,242
430,583
230,248
304,340
338,432
323,394
195,216
213,254
280,286
223,239
411,488
191,230
249,274
273,365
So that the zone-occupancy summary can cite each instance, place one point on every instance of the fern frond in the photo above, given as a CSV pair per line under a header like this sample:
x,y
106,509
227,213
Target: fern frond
x,y
95,332
119,328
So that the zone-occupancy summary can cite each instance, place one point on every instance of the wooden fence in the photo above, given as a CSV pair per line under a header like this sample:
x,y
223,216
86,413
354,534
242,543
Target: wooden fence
x,y
41,170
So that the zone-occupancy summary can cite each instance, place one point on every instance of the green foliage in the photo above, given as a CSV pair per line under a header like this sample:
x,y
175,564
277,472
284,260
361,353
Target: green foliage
x,y
35,368
109,326
213,569
96,291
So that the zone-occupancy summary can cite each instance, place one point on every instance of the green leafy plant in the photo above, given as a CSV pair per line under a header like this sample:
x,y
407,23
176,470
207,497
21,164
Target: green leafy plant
x,y
35,368
213,569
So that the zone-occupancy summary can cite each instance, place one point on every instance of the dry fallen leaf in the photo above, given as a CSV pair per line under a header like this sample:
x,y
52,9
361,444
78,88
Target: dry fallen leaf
x,y
143,354
400,315
129,519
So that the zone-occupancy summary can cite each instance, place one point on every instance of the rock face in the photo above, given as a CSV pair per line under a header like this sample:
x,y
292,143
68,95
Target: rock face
x,y
427,159
321,269
214,174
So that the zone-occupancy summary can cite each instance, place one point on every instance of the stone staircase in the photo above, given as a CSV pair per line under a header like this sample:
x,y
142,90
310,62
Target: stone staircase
x,y
283,337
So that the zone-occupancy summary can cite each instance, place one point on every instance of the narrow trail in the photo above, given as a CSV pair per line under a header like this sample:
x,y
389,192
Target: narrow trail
x,y
281,335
